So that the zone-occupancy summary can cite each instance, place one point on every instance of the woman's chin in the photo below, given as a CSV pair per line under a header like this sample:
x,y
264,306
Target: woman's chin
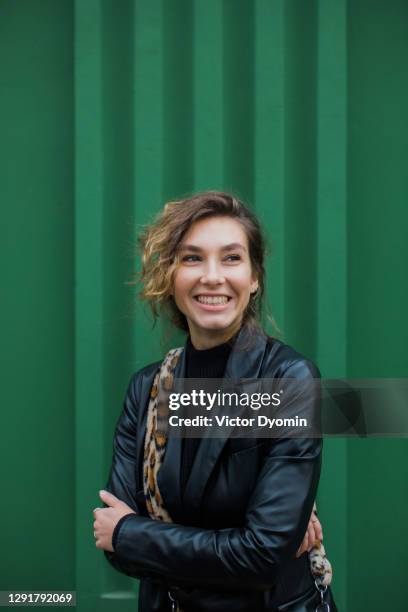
x,y
213,324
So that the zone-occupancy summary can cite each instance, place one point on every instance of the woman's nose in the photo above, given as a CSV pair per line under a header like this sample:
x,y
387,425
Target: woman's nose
x,y
212,274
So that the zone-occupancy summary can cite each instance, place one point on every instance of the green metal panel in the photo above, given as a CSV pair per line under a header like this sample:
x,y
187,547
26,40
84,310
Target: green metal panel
x,y
108,110
37,455
378,288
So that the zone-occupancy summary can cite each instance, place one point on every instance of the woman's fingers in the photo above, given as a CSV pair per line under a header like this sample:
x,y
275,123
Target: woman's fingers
x,y
312,536
317,527
108,498
314,532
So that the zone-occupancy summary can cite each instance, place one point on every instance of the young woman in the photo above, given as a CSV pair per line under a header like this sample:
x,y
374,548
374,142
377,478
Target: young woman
x,y
211,524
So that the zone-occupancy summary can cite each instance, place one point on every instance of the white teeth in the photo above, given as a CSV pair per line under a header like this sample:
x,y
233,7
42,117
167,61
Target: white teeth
x,y
212,300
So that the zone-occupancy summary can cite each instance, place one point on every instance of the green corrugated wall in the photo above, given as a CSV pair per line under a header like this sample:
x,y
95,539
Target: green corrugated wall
x,y
108,109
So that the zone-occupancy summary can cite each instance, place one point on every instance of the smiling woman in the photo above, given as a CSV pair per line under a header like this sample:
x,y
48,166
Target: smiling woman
x,y
206,248
212,524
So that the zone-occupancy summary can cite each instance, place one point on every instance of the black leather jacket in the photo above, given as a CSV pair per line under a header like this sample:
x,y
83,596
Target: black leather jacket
x,y
244,511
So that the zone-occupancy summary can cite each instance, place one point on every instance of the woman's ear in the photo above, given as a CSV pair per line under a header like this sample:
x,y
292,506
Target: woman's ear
x,y
254,286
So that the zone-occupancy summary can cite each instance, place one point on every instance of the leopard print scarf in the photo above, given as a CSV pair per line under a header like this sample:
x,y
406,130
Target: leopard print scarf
x,y
155,447
156,436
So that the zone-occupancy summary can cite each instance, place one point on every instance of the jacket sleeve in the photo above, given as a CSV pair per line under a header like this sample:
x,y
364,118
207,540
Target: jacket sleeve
x,y
122,477
246,557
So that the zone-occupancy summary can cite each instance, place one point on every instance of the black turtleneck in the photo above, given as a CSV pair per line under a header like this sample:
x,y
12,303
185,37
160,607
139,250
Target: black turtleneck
x,y
205,363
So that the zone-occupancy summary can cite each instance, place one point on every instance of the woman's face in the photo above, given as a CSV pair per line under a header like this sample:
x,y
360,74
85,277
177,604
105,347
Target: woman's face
x,y
214,281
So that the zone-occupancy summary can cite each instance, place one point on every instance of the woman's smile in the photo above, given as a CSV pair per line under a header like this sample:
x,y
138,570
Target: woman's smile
x,y
215,303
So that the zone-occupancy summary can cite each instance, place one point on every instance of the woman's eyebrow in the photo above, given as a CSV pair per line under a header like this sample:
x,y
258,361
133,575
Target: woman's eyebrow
x,y
227,247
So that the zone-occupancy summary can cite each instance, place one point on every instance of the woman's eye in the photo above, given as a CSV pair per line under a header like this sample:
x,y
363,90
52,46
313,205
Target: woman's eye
x,y
190,258
194,258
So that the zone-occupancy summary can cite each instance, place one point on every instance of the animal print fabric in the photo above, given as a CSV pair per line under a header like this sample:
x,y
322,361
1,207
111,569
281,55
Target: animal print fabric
x,y
156,435
155,447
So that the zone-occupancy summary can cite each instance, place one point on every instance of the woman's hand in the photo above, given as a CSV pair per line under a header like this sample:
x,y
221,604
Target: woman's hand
x,y
107,518
313,532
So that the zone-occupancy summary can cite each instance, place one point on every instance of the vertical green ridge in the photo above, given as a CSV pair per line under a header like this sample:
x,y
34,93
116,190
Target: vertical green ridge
x,y
269,148
332,272
208,142
148,134
118,235
300,175
238,97
89,289
177,98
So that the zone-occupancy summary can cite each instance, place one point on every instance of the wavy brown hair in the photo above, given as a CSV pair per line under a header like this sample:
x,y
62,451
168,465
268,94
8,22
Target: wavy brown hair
x,y
160,242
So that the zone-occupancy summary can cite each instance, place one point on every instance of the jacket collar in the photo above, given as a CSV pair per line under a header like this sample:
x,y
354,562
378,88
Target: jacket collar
x,y
245,361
